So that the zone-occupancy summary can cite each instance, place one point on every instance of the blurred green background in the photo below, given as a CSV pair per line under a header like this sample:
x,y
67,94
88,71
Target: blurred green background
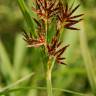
x,y
17,61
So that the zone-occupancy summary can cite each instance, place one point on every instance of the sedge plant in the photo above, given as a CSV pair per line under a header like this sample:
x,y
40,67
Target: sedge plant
x,y
47,11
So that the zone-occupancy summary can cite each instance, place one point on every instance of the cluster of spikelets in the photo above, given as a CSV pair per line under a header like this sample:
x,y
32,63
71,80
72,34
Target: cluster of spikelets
x,y
65,18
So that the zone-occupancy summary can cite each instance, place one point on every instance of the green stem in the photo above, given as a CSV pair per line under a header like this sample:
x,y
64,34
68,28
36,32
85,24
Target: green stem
x,y
49,85
46,28
50,66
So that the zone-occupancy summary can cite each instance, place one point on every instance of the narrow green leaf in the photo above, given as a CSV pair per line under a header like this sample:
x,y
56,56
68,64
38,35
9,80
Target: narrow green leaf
x,y
44,88
16,83
19,53
87,59
27,15
6,66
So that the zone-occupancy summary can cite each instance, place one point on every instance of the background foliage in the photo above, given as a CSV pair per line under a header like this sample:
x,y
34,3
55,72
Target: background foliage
x,y
17,61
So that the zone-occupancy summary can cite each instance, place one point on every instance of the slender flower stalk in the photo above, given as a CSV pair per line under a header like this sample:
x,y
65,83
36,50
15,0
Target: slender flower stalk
x,y
46,28
50,66
49,70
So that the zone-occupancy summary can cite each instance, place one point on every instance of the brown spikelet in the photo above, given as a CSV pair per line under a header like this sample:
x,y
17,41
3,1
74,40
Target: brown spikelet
x,y
33,42
46,8
66,17
54,50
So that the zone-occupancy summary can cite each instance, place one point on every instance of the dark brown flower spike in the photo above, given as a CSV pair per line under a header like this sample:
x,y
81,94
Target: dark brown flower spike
x,y
66,17
46,8
33,42
59,53
54,50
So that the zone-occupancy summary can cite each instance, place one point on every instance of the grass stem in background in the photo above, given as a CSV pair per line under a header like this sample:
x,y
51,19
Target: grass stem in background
x,y
43,88
6,66
87,59
16,83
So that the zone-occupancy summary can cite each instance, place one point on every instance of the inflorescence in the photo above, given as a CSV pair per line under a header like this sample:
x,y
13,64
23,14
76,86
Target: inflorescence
x,y
65,18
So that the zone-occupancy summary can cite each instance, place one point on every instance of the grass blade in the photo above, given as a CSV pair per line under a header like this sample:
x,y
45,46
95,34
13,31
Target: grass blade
x,y
19,52
44,88
16,83
27,15
6,66
87,59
